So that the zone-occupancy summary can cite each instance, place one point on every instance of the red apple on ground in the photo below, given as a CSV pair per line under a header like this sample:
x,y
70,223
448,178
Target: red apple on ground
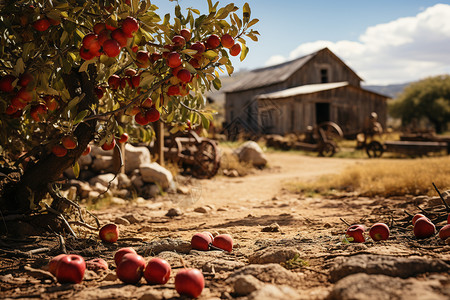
x,y
59,150
121,252
357,233
189,282
157,271
96,264
224,242
69,142
424,228
123,138
448,219
109,233
53,264
201,241
6,83
130,268
207,232
379,232
109,146
444,233
70,269
417,216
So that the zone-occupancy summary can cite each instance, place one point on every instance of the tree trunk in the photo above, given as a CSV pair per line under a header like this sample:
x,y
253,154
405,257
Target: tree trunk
x,y
33,185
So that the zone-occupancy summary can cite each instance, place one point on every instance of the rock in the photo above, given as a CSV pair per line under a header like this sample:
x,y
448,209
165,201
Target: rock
x,y
105,180
123,181
385,265
98,187
250,152
118,201
274,227
85,161
153,172
274,292
135,157
93,195
83,188
202,209
122,193
136,181
174,212
276,254
246,284
367,287
102,164
220,265
158,246
231,173
121,221
183,190
97,151
273,273
132,219
150,191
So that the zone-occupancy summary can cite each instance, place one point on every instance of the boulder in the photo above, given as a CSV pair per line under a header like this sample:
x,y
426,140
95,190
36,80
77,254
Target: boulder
x,y
105,179
102,164
153,172
251,152
135,157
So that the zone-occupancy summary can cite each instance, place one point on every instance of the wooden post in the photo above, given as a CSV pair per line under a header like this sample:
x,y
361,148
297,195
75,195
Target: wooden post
x,y
159,142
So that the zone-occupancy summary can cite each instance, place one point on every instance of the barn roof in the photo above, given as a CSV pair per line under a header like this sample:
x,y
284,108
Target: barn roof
x,y
274,74
303,89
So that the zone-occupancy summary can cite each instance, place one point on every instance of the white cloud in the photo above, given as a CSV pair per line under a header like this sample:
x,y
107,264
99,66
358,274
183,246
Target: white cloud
x,y
275,60
403,50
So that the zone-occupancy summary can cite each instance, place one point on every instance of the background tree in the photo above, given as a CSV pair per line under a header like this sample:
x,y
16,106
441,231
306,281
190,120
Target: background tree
x,y
75,71
426,99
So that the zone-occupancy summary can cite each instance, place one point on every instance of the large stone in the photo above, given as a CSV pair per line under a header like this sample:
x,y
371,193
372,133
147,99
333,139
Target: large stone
x,y
106,180
269,273
153,172
246,284
102,164
251,152
135,157
275,292
385,265
367,287
85,161
98,151
155,247
273,255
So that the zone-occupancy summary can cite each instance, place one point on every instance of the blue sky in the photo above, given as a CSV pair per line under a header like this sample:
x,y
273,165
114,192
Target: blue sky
x,y
384,41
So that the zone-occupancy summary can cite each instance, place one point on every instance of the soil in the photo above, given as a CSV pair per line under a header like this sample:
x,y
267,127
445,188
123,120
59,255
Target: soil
x,y
262,217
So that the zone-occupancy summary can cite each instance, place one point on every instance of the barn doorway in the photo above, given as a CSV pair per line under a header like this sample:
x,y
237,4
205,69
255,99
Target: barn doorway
x,y
322,112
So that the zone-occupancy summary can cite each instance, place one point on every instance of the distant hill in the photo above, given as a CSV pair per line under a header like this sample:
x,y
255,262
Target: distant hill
x,y
391,90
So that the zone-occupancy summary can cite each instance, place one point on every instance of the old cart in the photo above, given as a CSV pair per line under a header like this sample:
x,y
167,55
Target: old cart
x,y
196,155
321,139
411,148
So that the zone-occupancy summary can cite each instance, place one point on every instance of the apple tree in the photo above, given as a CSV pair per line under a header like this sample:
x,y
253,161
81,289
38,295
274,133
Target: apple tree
x,y
78,72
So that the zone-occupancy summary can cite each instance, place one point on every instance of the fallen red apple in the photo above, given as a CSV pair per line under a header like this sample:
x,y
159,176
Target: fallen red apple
x,y
130,268
200,241
379,232
417,216
109,233
224,242
189,282
70,269
448,219
121,252
424,228
54,263
157,271
356,232
96,264
444,233
207,232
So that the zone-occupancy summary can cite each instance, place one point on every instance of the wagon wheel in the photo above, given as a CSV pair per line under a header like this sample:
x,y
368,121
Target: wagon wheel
x,y
330,131
374,149
207,160
328,149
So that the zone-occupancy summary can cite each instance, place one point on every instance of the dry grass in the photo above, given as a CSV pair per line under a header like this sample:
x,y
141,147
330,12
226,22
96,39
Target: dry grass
x,y
385,177
230,161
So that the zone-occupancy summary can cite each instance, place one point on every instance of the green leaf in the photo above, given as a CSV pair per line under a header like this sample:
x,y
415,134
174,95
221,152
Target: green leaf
x,y
86,64
252,22
244,52
20,66
76,169
246,12
217,83
80,116
210,54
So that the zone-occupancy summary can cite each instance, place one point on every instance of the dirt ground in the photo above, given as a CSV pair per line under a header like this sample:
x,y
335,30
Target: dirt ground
x,y
268,224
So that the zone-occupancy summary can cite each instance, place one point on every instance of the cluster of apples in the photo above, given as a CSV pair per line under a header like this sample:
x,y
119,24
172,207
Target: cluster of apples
x,y
131,267
378,232
205,241
423,227
108,40
43,23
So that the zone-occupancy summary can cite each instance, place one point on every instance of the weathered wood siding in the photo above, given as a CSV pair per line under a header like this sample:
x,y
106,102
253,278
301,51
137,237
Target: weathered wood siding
x,y
349,108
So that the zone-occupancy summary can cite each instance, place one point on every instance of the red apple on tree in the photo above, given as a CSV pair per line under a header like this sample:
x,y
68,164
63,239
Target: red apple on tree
x,y
199,47
120,37
157,271
121,252
235,50
173,59
25,79
111,48
189,282
109,146
379,232
109,233
356,232
41,24
70,269
424,228
224,242
186,33
152,115
130,268
69,142
227,41
129,26
123,138
59,150
213,41
6,83
87,150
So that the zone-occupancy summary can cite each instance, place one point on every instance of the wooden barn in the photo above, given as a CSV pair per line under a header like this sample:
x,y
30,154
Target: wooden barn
x,y
287,98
